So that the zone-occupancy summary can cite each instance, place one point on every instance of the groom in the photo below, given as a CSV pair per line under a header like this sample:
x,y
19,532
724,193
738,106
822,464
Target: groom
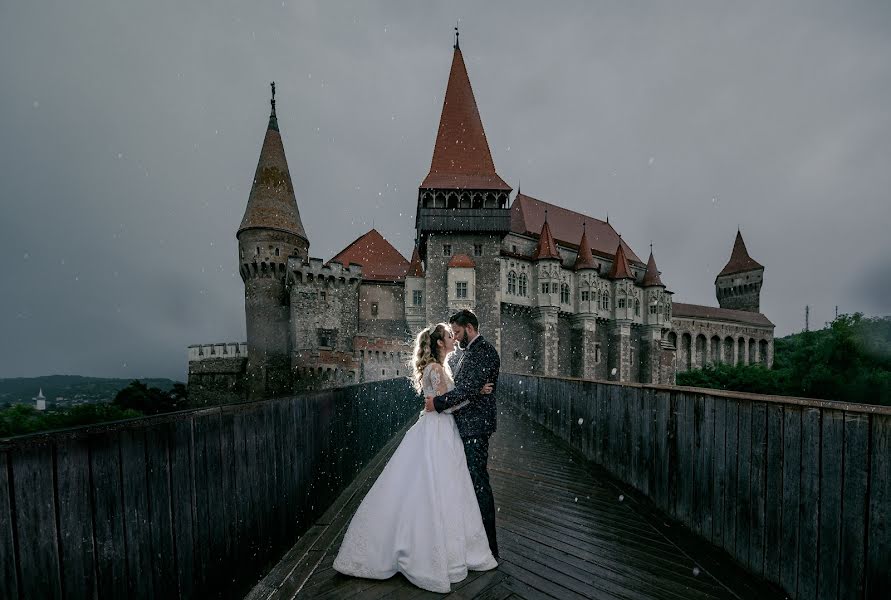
x,y
479,364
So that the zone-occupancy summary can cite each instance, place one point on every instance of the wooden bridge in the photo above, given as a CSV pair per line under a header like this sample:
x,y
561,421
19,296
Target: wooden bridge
x,y
603,490
566,529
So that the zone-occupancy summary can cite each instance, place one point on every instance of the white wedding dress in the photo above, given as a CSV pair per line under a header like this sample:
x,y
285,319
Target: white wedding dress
x,y
421,516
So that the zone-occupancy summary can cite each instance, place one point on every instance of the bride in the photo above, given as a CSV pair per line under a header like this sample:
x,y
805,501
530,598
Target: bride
x,y
421,516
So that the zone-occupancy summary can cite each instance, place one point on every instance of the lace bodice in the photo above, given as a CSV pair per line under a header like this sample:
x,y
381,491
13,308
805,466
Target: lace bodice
x,y
436,381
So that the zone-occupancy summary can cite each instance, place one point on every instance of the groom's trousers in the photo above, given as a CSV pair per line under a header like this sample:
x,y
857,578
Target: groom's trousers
x,y
476,449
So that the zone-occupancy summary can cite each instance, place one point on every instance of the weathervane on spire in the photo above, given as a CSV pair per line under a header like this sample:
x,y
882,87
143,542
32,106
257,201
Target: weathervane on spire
x,y
457,33
273,97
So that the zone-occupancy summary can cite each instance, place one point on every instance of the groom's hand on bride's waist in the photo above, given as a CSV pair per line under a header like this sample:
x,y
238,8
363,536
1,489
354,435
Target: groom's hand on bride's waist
x,y
428,404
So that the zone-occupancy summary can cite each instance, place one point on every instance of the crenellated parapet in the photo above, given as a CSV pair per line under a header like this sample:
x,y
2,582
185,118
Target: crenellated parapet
x,y
216,351
317,270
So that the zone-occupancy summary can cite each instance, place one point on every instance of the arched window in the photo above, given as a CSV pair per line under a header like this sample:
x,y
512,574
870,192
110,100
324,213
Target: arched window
x,y
564,294
596,293
605,301
512,283
636,307
620,302
522,285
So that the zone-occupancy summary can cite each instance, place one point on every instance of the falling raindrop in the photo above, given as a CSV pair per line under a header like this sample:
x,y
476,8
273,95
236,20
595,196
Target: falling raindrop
x,y
696,571
580,420
621,497
576,498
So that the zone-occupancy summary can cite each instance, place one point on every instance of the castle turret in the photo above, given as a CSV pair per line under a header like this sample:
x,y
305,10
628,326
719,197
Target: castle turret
x,y
415,294
584,321
620,351
549,291
738,285
656,318
270,231
462,209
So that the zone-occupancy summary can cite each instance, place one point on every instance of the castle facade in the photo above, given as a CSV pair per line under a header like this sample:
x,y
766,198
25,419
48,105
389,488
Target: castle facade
x,y
557,292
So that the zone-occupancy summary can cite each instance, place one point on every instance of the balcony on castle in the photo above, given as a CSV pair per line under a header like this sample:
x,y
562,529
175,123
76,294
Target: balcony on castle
x,y
467,220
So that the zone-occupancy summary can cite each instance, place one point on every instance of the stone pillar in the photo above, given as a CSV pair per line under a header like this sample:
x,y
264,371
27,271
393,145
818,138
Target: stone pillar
x,y
585,326
620,350
544,319
651,354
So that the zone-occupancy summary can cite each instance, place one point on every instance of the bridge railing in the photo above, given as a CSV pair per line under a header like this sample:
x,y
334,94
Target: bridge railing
x,y
193,504
796,490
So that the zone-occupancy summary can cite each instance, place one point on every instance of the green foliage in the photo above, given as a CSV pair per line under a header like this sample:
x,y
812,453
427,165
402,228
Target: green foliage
x,y
849,361
151,400
135,400
22,418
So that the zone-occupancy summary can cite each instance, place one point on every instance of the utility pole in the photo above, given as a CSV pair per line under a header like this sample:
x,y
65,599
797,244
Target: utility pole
x,y
807,315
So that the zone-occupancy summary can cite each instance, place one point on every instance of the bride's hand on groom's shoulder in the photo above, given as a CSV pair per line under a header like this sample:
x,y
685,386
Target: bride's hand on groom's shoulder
x,y
487,389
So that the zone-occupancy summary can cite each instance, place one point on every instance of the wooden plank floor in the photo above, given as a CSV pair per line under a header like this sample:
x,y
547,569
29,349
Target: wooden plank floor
x,y
566,530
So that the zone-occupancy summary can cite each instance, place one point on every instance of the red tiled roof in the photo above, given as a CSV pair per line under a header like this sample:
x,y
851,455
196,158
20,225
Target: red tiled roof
x,y
379,259
416,268
651,277
620,268
462,261
584,259
547,247
271,203
697,311
527,216
461,156
740,260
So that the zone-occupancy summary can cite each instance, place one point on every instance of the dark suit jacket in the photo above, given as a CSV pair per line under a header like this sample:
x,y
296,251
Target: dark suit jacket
x,y
481,364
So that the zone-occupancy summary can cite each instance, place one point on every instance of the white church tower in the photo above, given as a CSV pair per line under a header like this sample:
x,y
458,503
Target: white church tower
x,y
41,400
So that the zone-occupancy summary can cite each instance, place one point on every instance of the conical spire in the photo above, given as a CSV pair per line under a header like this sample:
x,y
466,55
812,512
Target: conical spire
x,y
547,246
415,269
620,269
740,260
584,259
651,278
271,204
461,156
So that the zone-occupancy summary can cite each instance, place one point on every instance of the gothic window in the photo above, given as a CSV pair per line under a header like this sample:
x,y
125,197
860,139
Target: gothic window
x,y
477,249
446,249
327,337
564,294
374,309
521,291
545,287
324,296
585,296
637,307
605,301
512,283
417,297
621,302
654,308
461,289
276,252
667,311
596,293
554,288
597,353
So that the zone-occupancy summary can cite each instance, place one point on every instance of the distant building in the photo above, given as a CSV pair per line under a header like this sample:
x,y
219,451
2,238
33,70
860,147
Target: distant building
x,y
557,292
40,400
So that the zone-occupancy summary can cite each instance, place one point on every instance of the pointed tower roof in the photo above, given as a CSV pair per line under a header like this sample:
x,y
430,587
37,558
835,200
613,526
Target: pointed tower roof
x,y
379,259
620,269
547,246
271,204
651,278
40,394
416,268
584,259
740,260
461,156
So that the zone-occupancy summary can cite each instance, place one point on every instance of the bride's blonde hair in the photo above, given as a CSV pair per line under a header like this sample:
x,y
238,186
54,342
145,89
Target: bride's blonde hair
x,y
426,352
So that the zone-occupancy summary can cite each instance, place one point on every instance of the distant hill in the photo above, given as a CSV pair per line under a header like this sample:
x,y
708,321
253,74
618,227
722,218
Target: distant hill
x,y
70,387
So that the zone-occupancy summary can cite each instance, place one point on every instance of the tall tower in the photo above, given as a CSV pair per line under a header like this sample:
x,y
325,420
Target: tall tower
x,y
738,285
270,231
462,210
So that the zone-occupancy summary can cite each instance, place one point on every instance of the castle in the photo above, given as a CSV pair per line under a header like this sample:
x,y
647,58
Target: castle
x,y
557,292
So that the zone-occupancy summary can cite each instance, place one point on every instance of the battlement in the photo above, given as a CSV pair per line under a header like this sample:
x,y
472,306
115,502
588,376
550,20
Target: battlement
x,y
316,269
216,351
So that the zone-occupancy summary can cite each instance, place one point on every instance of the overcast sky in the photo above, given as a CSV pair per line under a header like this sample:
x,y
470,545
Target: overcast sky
x,y
130,131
